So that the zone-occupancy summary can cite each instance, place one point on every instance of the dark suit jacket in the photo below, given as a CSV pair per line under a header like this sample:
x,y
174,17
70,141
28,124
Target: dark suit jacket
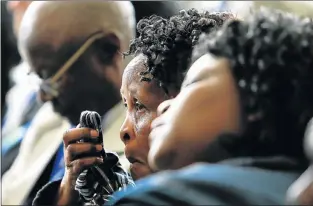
x,y
9,52
232,182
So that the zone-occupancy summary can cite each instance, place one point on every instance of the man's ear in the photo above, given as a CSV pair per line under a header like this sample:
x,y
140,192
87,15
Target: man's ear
x,y
108,59
104,52
114,72
106,48
113,39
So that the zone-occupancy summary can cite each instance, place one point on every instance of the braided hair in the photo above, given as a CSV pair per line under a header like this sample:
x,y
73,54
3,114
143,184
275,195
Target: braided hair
x,y
168,43
271,58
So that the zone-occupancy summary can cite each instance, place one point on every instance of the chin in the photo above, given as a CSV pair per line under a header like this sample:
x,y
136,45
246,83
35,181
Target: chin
x,y
139,171
160,159
161,155
72,116
152,161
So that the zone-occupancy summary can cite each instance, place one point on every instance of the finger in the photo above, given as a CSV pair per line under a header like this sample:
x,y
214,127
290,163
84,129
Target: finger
x,y
79,165
74,135
80,150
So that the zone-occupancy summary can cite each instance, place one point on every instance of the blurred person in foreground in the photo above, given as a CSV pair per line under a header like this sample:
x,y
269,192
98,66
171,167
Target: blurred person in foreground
x,y
161,56
20,102
301,191
241,115
75,48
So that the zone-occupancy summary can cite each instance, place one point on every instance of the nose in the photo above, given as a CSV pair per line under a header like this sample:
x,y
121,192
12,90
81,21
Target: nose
x,y
43,97
127,130
164,106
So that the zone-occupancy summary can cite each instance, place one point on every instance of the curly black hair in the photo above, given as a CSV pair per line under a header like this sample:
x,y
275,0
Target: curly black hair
x,y
271,57
168,43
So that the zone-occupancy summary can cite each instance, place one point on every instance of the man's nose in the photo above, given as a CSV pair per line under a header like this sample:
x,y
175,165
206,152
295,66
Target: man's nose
x,y
43,97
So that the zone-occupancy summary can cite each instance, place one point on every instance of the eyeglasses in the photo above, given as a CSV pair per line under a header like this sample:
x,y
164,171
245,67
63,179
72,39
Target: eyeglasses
x,y
49,88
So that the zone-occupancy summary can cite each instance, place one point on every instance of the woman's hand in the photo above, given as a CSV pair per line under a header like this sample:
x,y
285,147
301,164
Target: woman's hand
x,y
80,152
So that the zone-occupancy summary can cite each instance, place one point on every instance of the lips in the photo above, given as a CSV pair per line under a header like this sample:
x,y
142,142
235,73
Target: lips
x,y
130,155
138,166
133,160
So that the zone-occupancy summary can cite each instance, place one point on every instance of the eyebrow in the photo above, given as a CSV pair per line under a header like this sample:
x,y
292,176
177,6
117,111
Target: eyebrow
x,y
132,90
198,78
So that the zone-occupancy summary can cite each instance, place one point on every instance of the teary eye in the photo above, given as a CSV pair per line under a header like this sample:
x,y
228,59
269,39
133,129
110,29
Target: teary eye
x,y
125,104
139,106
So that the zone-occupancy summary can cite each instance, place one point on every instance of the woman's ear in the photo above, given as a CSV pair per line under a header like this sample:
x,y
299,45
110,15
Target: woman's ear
x,y
114,40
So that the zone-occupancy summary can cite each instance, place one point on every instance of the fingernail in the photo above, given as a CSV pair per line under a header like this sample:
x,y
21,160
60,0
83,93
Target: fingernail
x,y
99,147
94,133
99,159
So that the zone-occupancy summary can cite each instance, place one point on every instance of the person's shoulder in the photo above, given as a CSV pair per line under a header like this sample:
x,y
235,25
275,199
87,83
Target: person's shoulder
x,y
210,184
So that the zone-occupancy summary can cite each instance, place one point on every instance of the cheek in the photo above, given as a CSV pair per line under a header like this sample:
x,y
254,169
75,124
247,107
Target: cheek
x,y
206,118
143,127
192,124
143,122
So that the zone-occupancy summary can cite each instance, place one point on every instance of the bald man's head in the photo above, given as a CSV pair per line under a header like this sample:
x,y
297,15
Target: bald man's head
x,y
57,22
52,31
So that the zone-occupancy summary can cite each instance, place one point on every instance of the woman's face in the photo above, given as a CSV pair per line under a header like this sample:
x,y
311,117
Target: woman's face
x,y
141,100
207,106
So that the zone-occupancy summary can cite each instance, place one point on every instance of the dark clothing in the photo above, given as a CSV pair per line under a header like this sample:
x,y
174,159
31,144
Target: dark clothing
x,y
47,194
96,185
43,179
9,52
244,181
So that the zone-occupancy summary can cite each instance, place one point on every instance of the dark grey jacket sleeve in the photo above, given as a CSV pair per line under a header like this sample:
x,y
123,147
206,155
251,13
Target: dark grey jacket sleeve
x,y
210,185
47,194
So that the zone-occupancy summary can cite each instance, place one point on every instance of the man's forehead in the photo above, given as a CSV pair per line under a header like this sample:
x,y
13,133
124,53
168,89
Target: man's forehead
x,y
44,56
47,40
